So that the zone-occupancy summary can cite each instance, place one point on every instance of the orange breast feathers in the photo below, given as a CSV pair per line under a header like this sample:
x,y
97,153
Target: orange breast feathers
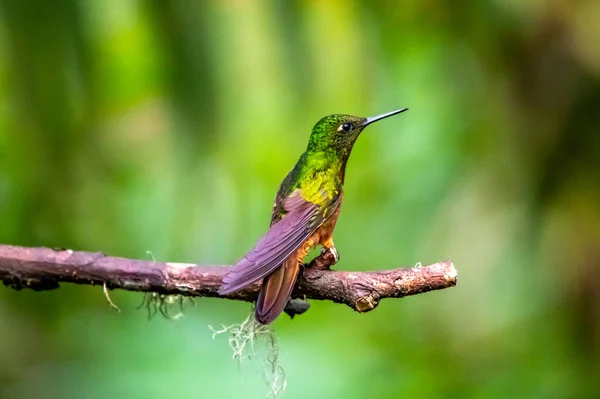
x,y
323,235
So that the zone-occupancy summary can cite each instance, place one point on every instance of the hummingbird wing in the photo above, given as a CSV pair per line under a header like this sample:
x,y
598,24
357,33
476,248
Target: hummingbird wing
x,y
301,219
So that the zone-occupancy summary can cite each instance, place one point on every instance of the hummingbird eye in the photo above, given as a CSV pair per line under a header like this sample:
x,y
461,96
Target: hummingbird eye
x,y
346,127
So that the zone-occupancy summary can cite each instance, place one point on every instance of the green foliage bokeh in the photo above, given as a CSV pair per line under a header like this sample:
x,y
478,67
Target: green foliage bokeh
x,y
133,126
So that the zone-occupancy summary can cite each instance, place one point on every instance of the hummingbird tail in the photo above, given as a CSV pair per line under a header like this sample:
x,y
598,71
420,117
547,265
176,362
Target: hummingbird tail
x,y
276,290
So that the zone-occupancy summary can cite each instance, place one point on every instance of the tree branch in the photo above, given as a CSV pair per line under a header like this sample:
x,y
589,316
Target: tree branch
x,y
45,269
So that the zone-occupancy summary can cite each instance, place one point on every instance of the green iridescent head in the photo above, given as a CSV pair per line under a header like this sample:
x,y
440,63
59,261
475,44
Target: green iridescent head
x,y
339,132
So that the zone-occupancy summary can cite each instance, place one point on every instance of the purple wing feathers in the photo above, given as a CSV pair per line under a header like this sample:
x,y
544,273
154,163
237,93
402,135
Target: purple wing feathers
x,y
282,239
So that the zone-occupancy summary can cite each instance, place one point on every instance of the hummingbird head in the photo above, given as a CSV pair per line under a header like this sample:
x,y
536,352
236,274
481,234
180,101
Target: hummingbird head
x,y
338,132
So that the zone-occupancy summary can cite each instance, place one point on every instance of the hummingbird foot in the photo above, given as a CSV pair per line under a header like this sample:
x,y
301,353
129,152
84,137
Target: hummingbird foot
x,y
314,270
333,251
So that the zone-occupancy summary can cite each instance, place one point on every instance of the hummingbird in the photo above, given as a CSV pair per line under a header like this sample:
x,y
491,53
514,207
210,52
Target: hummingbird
x,y
304,215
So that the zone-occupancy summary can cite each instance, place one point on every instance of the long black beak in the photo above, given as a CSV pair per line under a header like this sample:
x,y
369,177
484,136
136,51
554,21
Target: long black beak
x,y
382,116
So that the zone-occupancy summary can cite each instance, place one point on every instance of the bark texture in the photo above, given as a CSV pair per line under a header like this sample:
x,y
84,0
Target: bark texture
x,y
46,268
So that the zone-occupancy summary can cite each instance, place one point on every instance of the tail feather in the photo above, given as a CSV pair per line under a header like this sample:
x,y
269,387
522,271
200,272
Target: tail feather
x,y
276,290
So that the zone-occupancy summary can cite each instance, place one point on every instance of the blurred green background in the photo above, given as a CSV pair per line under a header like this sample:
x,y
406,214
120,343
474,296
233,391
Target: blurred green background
x,y
135,126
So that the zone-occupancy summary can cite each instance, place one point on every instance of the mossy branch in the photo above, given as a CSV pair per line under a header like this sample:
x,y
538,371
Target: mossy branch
x,y
45,269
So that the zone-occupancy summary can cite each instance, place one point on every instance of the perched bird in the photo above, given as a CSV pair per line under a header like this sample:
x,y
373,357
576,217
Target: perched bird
x,y
304,215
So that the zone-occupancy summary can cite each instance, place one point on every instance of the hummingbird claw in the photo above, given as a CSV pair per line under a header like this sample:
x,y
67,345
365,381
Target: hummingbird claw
x,y
334,252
